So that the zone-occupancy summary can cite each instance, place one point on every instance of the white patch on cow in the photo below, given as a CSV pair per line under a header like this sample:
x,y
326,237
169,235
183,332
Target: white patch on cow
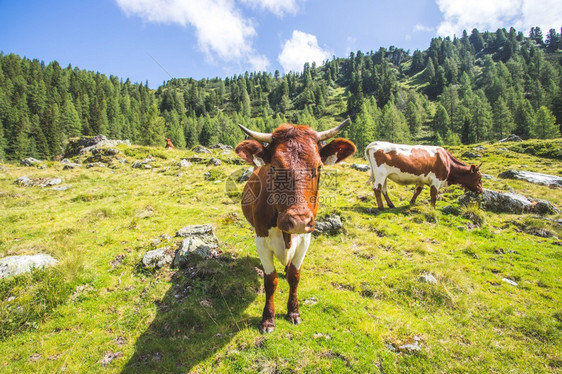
x,y
274,245
258,161
331,160
402,149
379,174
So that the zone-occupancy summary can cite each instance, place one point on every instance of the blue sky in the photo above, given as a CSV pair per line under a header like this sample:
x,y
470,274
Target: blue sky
x,y
155,40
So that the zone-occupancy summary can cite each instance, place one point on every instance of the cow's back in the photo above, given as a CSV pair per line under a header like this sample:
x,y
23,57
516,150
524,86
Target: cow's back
x,y
408,164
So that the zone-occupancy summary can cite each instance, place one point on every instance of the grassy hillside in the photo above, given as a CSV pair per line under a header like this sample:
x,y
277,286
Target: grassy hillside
x,y
361,297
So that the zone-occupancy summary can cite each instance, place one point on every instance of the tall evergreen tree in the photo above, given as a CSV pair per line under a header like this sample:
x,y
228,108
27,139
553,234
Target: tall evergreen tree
x,y
545,124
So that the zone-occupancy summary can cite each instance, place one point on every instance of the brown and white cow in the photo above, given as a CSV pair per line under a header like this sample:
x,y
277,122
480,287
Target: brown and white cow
x,y
419,165
169,144
280,200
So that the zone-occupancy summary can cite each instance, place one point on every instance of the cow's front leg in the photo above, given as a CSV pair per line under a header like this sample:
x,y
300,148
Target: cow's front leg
x,y
416,193
433,194
268,318
293,277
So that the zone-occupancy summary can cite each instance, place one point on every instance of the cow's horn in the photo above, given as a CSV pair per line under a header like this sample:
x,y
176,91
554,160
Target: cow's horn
x,y
325,135
259,136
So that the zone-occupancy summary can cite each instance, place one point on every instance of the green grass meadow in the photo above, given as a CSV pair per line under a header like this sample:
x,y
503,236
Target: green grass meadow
x,y
360,293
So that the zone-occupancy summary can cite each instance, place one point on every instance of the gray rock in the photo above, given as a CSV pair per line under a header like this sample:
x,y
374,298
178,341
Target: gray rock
x,y
15,265
331,225
511,138
245,175
488,176
471,155
195,230
61,188
531,177
184,164
222,147
83,145
30,161
137,164
427,278
71,165
479,148
95,164
25,181
194,246
200,149
508,203
410,348
360,167
158,257
215,162
199,240
509,281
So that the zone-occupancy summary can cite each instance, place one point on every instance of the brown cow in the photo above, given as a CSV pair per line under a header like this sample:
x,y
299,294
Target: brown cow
x,y
169,144
280,200
419,165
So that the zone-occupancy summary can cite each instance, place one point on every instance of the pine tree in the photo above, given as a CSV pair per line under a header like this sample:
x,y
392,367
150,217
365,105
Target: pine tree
x,y
69,119
153,128
441,121
502,120
393,125
545,124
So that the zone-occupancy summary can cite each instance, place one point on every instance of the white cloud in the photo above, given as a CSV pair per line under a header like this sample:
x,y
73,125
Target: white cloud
x,y
277,7
422,28
301,48
492,14
220,28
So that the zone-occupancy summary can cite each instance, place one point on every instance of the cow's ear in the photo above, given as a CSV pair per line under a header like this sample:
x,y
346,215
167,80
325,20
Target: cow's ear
x,y
336,151
252,152
473,169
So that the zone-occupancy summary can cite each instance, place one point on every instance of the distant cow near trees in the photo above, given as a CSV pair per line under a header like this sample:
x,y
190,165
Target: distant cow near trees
x,y
280,200
419,165
169,144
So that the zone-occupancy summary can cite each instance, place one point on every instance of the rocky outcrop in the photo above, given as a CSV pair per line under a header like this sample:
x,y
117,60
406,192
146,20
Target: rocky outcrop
x,y
25,181
15,265
222,147
511,138
360,167
30,161
508,203
531,177
86,144
158,257
183,164
331,225
198,240
201,149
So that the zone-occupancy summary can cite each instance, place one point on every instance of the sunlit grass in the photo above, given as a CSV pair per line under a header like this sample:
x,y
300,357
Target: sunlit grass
x,y
360,291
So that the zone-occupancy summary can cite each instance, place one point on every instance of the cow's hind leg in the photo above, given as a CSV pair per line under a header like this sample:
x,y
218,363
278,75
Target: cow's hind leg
x,y
416,194
385,194
268,319
293,277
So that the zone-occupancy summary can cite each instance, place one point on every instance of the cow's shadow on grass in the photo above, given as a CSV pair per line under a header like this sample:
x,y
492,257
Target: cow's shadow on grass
x,y
200,313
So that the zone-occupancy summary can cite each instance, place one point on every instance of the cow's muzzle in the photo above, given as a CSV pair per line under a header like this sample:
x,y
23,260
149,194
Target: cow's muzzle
x,y
302,223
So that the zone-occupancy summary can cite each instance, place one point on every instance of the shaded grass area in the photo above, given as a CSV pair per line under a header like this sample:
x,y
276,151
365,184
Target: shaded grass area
x,y
360,291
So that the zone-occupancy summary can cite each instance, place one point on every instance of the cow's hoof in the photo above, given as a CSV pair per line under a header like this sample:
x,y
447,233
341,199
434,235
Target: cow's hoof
x,y
294,318
267,326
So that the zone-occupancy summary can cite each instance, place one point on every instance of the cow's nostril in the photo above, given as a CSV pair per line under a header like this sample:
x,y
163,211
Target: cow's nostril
x,y
291,223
